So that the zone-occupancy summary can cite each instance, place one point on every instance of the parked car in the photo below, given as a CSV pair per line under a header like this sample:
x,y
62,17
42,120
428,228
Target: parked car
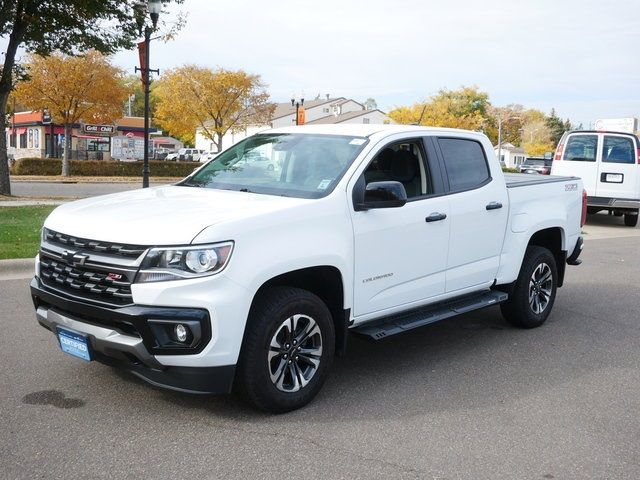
x,y
541,166
185,155
260,160
161,153
609,165
238,276
207,156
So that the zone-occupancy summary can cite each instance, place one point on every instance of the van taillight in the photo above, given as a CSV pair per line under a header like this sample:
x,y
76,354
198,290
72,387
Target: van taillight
x,y
559,152
583,219
638,156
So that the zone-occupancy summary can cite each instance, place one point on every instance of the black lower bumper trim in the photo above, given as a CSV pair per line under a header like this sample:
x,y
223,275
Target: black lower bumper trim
x,y
131,319
197,380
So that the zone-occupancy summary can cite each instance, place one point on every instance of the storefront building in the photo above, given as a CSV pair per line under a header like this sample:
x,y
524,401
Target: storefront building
x,y
30,134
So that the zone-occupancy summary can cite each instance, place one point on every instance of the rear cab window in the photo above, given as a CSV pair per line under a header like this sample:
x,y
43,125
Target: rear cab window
x,y
465,163
581,148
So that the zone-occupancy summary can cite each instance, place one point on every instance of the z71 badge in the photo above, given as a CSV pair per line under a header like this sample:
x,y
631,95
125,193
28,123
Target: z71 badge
x,y
570,187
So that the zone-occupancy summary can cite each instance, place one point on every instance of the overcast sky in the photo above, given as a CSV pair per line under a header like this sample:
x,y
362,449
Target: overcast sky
x,y
579,56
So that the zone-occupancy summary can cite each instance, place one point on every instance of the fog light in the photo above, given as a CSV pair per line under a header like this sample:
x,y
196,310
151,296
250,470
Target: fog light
x,y
181,333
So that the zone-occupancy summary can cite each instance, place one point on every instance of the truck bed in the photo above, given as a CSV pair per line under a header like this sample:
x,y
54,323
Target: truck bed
x,y
514,180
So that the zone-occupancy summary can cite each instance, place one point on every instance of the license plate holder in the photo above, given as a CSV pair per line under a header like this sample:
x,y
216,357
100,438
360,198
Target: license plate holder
x,y
613,177
74,343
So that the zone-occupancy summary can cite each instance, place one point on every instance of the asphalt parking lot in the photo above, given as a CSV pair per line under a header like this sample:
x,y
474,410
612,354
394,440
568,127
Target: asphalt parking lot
x,y
468,398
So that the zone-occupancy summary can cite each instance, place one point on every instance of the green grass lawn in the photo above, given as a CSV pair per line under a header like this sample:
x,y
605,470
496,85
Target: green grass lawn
x,y
20,230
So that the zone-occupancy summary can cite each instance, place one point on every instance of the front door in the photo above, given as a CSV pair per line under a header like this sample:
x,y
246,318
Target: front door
x,y
400,255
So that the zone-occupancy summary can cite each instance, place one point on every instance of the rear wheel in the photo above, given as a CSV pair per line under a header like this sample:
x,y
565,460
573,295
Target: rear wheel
x,y
630,219
288,347
534,292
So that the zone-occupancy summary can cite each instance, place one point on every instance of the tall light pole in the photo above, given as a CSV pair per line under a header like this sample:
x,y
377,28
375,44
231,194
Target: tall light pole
x,y
153,7
297,103
500,120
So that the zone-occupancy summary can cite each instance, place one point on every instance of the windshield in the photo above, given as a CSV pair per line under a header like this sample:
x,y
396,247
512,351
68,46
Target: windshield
x,y
293,165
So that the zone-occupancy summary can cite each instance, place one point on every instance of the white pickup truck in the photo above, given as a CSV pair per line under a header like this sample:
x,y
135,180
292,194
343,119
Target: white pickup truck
x,y
251,277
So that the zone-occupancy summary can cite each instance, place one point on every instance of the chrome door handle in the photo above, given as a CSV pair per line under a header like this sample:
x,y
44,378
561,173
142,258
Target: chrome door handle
x,y
494,206
435,217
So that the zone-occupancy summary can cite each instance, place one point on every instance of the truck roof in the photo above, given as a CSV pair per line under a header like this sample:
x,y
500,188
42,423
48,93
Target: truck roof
x,y
362,130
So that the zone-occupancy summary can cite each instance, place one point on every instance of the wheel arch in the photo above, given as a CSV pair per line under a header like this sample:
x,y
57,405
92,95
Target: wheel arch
x,y
327,283
553,239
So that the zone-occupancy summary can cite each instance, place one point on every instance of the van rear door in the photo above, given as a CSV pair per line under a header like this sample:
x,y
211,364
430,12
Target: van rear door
x,y
617,169
579,159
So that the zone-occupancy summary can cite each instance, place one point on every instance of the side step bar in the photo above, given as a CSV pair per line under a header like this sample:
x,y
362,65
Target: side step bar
x,y
401,322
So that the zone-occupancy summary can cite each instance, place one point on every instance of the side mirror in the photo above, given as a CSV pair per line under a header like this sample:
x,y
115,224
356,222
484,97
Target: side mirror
x,y
382,195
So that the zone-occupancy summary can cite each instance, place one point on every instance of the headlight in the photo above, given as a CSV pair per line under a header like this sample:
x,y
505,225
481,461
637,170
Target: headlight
x,y
175,263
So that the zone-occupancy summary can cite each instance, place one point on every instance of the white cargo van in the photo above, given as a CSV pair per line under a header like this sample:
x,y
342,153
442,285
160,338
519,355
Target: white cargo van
x,y
609,165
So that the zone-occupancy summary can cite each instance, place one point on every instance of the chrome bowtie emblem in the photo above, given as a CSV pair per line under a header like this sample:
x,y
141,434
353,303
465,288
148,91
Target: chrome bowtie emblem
x,y
74,258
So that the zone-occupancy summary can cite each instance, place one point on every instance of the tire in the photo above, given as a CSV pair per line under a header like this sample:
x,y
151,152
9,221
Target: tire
x,y
267,366
630,220
522,310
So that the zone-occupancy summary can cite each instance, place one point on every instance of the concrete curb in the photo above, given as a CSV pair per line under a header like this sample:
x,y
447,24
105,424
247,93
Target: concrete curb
x,y
17,268
31,203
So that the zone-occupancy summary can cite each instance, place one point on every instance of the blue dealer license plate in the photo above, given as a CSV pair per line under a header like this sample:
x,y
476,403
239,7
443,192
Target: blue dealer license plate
x,y
75,344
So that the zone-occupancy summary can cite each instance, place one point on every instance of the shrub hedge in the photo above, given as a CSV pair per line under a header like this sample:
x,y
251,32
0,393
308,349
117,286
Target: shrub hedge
x,y
101,168
111,168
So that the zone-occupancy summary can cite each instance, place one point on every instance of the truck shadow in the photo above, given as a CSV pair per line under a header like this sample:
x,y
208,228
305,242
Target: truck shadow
x,y
466,363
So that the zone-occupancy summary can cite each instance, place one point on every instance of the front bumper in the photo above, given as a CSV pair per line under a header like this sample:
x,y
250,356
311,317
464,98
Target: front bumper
x,y
121,337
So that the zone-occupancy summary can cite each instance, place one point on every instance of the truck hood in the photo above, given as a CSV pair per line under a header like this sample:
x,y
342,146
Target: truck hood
x,y
168,215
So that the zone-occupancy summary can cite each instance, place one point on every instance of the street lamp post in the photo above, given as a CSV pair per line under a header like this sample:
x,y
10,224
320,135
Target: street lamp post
x,y
297,103
153,7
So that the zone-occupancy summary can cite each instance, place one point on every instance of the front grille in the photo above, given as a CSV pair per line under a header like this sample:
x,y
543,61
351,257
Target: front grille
x,y
69,241
100,284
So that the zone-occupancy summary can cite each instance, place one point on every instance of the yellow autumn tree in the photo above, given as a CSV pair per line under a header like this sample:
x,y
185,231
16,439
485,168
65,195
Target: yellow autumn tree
x,y
216,101
73,88
467,108
536,137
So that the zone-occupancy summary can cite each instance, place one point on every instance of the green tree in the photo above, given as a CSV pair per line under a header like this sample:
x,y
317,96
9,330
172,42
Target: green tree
x,y
556,126
72,26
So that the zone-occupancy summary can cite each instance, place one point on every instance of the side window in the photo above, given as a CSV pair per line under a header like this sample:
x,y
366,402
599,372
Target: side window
x,y
465,163
618,150
581,148
402,162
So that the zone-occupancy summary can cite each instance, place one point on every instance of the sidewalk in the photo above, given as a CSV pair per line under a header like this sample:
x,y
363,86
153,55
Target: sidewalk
x,y
31,201
60,179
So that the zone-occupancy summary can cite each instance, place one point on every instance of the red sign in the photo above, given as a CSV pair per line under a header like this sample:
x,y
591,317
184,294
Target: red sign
x,y
142,51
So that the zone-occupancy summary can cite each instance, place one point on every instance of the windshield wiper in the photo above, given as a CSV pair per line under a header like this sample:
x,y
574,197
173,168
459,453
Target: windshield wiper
x,y
246,190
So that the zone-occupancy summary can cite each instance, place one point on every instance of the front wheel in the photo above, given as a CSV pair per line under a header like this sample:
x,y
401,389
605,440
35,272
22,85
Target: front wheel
x,y
534,292
630,220
288,346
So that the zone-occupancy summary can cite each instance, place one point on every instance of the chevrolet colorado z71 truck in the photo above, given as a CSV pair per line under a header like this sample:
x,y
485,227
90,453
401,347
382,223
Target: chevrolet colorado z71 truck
x,y
245,276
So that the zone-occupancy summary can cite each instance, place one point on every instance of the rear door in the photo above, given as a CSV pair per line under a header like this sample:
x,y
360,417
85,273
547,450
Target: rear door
x,y
617,170
579,159
479,210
